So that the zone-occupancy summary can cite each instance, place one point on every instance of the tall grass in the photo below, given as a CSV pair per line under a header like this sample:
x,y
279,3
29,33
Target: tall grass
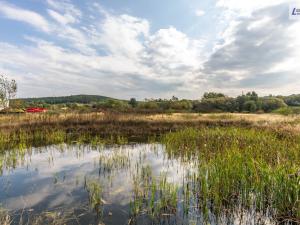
x,y
243,167
95,192
153,196
43,129
24,139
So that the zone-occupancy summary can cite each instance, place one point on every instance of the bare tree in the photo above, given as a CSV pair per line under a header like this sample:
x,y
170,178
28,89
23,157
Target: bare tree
x,y
8,90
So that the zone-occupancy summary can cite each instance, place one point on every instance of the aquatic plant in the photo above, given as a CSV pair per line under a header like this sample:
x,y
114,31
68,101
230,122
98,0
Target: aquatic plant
x,y
22,140
95,192
114,162
153,196
246,167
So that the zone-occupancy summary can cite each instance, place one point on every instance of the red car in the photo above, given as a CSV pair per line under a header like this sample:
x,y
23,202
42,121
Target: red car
x,y
36,110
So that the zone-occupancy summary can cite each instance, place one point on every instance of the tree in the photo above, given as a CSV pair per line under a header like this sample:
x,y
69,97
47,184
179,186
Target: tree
x,y
151,105
271,103
8,90
133,102
116,104
17,104
212,95
174,98
250,106
244,98
220,104
180,105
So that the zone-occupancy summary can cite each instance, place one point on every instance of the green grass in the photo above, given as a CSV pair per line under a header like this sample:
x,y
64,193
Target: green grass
x,y
153,196
25,139
242,167
95,192
291,110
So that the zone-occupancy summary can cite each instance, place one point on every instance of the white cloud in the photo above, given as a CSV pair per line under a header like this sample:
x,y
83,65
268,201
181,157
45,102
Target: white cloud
x,y
15,13
62,19
171,51
247,7
69,11
115,65
257,52
122,35
199,12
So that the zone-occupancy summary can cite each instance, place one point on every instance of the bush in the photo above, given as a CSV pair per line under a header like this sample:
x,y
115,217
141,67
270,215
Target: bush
x,y
220,104
250,106
271,103
148,105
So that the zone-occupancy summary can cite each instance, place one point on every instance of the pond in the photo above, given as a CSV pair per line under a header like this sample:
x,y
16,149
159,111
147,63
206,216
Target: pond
x,y
113,184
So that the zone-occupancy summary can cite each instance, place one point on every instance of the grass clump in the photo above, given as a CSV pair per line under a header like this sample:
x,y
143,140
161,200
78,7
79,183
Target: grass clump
x,y
153,196
95,192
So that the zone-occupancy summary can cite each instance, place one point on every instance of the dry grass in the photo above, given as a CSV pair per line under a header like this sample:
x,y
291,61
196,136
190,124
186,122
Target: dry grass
x,y
4,217
133,121
13,119
267,118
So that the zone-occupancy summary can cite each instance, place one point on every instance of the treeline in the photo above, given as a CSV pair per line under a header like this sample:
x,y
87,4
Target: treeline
x,y
250,102
210,102
81,99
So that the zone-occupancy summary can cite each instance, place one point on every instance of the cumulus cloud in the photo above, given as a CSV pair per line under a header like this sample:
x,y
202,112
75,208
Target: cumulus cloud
x,y
111,54
172,52
123,35
257,52
108,54
32,18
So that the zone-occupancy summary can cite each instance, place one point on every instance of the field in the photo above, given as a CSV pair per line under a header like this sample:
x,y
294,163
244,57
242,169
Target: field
x,y
234,164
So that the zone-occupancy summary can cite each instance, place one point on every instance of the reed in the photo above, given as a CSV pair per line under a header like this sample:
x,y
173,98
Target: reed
x,y
242,167
95,192
21,131
153,196
24,139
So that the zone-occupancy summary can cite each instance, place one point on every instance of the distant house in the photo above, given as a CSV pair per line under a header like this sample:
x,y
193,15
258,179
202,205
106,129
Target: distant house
x,y
35,110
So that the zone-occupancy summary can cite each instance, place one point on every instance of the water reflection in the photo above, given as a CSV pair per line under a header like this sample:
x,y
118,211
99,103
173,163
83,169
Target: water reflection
x,y
105,185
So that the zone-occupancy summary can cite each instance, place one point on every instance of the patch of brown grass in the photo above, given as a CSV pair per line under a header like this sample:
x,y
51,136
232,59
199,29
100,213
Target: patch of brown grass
x,y
140,124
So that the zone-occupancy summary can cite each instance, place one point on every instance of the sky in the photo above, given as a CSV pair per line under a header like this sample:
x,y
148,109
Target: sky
x,y
150,49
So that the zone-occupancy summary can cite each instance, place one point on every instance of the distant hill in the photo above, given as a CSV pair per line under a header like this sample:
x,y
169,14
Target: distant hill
x,y
83,99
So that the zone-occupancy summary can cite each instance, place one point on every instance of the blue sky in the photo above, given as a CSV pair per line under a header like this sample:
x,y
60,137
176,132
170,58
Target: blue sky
x,y
147,49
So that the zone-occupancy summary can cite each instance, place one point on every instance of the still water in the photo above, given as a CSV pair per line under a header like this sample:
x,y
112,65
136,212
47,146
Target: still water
x,y
104,185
